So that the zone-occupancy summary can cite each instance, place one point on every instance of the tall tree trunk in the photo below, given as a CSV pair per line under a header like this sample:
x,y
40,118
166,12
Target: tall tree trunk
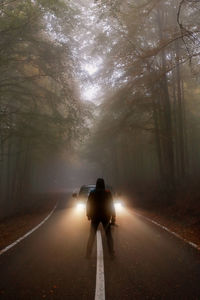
x,y
158,138
180,116
167,118
175,130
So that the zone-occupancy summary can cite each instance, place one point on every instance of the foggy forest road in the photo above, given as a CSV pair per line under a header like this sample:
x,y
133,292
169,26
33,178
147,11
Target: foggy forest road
x,y
50,264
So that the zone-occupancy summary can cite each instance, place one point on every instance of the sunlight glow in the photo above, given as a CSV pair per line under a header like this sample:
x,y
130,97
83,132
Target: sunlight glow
x,y
90,68
90,92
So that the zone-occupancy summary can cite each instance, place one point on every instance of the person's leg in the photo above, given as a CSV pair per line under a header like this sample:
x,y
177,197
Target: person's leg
x,y
107,228
93,230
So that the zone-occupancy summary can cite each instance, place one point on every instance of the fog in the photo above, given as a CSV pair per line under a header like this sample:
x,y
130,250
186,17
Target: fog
x,y
99,89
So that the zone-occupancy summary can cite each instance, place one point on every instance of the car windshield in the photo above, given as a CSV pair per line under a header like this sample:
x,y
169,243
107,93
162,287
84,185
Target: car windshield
x,y
85,190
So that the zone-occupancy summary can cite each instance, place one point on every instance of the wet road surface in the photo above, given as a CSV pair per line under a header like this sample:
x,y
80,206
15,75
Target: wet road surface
x,y
50,264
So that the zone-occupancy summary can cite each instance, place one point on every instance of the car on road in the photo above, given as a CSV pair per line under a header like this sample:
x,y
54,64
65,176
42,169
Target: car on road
x,y
82,196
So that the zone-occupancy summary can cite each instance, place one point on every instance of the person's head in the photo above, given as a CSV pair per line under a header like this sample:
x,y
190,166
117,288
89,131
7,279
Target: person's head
x,y
100,184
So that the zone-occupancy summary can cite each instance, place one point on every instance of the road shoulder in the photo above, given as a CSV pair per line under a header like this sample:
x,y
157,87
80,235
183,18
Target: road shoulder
x,y
186,227
16,226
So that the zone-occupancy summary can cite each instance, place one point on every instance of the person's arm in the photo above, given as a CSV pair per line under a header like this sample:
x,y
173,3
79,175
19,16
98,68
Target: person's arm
x,y
113,212
88,207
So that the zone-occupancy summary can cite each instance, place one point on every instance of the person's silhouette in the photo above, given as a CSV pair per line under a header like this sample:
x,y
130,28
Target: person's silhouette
x,y
100,209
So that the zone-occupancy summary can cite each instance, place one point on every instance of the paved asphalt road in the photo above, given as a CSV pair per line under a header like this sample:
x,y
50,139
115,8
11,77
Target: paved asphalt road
x,y
50,264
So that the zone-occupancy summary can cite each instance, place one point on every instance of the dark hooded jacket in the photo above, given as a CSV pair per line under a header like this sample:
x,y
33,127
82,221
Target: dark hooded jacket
x,y
100,203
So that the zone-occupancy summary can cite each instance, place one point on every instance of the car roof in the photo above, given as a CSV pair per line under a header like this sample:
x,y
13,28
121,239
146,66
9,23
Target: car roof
x,y
94,186
88,186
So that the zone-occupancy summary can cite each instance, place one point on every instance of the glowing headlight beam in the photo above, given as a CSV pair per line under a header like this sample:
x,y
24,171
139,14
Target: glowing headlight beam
x,y
80,206
118,206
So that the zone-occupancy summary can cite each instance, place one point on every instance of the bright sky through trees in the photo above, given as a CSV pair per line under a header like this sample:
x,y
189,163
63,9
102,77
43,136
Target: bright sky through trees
x,y
85,33
90,92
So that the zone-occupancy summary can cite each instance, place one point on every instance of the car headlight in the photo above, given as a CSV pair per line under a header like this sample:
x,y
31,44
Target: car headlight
x,y
80,206
118,205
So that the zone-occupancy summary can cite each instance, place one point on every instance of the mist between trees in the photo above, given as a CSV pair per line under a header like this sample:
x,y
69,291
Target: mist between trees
x,y
147,135
39,108
144,133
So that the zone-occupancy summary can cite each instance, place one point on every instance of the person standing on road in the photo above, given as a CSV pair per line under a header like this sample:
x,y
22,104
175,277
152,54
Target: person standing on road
x,y
100,209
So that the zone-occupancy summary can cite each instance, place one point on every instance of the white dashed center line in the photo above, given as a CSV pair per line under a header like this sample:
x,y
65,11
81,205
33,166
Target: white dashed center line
x,y
100,281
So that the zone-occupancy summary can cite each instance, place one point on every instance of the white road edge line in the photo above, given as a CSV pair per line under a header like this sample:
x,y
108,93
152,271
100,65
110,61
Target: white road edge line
x,y
168,230
100,281
28,233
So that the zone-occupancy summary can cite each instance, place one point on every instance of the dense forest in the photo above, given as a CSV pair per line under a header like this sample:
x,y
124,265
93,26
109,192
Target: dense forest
x,y
39,107
147,134
115,83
